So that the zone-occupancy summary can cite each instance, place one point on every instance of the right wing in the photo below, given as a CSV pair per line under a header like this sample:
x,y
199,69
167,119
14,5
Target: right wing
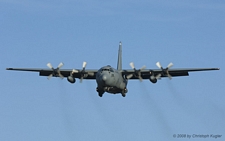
x,y
87,74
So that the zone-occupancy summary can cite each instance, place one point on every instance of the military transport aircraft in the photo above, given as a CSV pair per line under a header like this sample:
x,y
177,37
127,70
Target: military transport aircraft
x,y
112,80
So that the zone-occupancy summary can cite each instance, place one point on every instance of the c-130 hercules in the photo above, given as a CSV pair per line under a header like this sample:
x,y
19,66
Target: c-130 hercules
x,y
112,80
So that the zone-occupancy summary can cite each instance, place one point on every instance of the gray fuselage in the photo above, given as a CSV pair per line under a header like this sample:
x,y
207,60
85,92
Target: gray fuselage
x,y
110,80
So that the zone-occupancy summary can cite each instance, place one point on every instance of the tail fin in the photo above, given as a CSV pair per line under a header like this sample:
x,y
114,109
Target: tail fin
x,y
119,63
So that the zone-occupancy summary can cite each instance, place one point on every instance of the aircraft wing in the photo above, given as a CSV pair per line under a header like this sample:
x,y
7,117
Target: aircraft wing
x,y
134,74
87,74
147,73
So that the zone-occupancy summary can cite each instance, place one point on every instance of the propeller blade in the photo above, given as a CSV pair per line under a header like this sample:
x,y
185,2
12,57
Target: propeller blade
x,y
49,77
158,65
129,76
132,65
142,68
61,76
50,66
170,77
140,78
170,65
60,65
74,71
168,74
158,76
91,73
84,64
81,79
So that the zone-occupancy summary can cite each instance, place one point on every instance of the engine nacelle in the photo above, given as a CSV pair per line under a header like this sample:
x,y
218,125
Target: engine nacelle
x,y
153,79
71,79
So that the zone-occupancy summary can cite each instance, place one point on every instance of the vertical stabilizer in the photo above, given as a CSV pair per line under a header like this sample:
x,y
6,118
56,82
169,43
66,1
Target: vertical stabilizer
x,y
119,63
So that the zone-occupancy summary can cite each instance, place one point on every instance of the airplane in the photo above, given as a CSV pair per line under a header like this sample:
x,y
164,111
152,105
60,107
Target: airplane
x,y
110,80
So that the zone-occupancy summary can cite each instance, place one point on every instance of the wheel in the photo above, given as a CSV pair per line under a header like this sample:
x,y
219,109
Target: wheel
x,y
100,94
124,91
97,89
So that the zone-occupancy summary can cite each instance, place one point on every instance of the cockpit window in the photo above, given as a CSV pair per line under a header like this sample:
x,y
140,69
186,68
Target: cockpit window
x,y
105,69
111,70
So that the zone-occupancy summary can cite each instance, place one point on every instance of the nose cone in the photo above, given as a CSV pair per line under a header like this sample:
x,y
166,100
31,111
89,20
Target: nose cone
x,y
104,77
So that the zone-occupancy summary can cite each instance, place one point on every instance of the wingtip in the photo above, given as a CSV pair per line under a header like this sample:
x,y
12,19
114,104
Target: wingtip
x,y
215,68
8,68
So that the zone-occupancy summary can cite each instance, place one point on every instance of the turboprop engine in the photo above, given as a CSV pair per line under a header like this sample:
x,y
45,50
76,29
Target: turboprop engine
x,y
153,79
71,79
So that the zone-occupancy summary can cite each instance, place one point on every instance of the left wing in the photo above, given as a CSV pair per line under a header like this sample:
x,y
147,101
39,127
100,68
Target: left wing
x,y
154,74
157,73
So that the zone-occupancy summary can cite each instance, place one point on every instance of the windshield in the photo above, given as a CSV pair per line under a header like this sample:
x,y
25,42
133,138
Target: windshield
x,y
107,69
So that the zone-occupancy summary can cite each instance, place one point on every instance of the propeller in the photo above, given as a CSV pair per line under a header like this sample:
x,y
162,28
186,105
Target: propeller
x,y
82,72
166,70
55,72
74,71
137,73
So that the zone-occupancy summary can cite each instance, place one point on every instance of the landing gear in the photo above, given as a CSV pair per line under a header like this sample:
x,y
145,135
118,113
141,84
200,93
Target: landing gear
x,y
111,90
124,91
100,93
